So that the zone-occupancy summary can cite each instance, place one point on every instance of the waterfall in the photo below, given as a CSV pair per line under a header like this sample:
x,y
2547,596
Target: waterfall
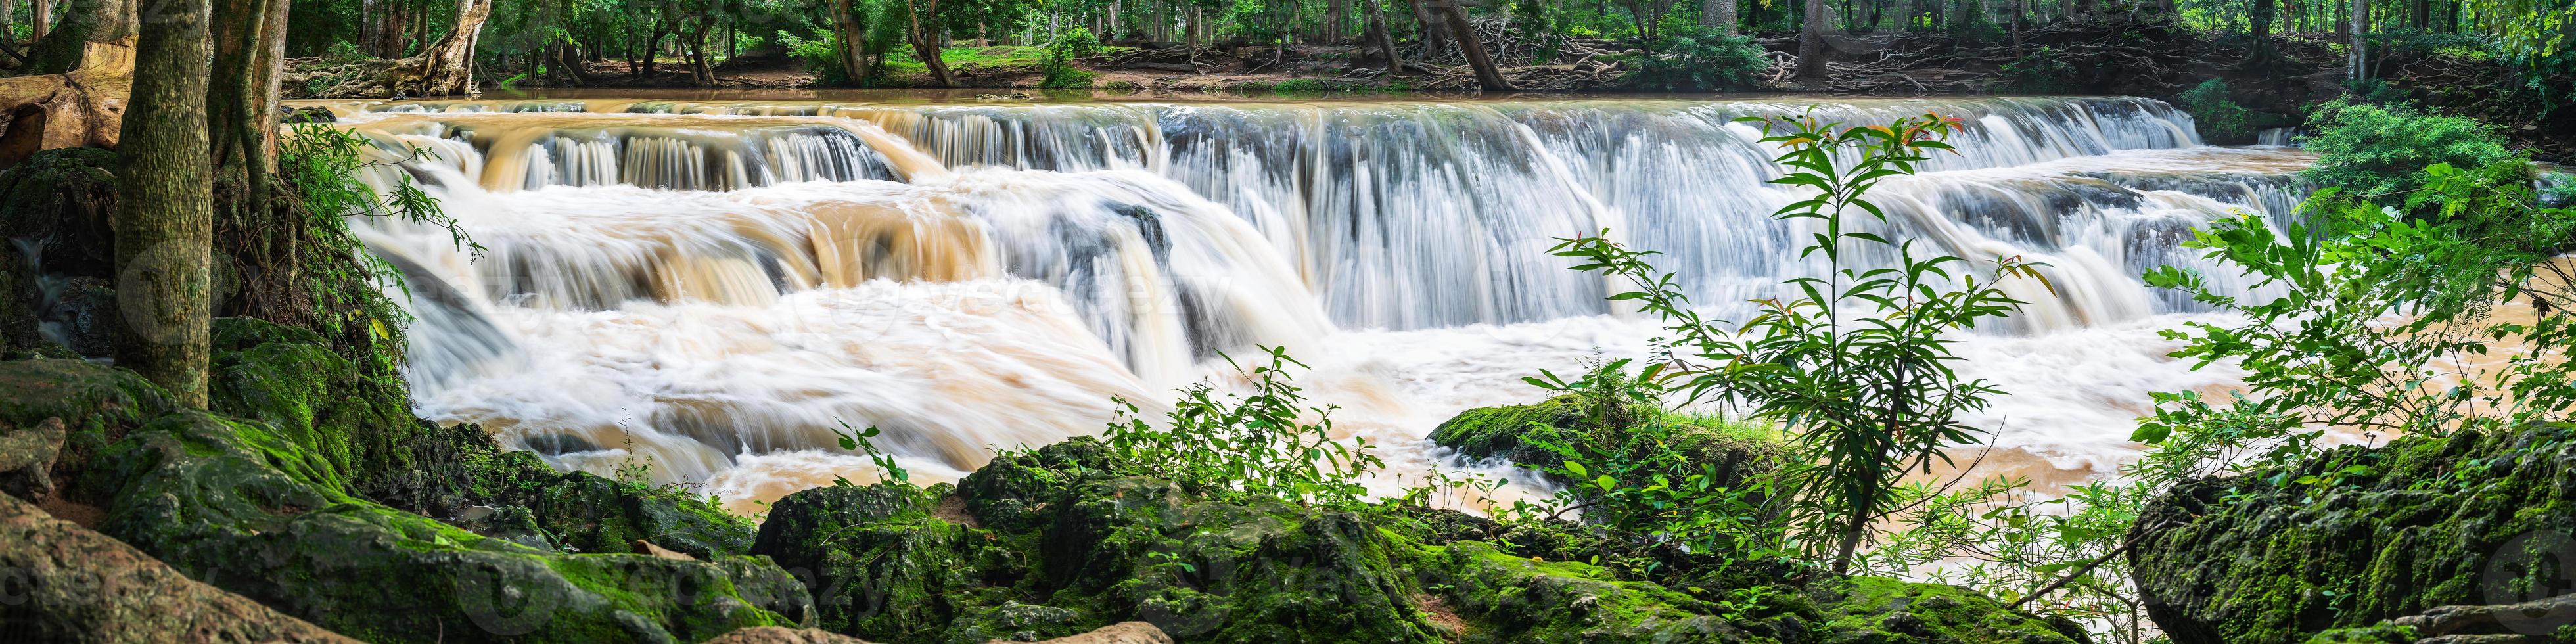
x,y
713,284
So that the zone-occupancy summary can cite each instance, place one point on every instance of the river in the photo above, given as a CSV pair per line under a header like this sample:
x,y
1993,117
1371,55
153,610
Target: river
x,y
706,287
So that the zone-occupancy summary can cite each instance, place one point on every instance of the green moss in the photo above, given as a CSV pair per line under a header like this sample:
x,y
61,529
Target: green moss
x,y
1498,432
2373,634
1873,610
2425,522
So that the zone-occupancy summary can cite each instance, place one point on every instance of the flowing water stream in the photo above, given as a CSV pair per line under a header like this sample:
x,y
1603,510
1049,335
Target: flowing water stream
x,y
708,288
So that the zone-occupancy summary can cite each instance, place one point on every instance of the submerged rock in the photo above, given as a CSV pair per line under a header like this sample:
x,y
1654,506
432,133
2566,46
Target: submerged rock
x,y
2358,536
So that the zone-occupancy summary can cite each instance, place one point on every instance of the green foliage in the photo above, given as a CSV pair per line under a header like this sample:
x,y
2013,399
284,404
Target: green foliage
x,y
1696,60
1858,367
2371,151
821,54
2220,120
2324,355
1629,465
324,164
1245,446
1076,42
860,440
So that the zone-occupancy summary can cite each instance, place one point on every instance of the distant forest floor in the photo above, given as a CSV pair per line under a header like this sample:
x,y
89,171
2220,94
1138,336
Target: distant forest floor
x,y
2135,58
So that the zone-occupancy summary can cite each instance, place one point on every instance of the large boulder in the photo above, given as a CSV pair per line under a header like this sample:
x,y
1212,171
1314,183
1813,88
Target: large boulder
x,y
66,583
2355,537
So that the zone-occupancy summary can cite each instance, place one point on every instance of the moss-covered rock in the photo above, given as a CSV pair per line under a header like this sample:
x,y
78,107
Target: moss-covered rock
x,y
1051,542
2372,535
266,500
1875,610
1503,432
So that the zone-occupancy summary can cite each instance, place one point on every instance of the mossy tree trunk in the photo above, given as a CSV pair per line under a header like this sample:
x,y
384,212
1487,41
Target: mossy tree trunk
x,y
87,21
165,231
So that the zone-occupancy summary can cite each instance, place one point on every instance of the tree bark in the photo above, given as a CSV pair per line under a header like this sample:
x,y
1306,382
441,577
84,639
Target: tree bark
x,y
242,107
1431,38
1813,52
2359,71
1488,75
854,59
1720,15
1385,43
925,42
43,22
165,224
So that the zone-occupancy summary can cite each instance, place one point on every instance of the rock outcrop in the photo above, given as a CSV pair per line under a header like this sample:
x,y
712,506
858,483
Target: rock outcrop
x,y
1052,542
66,583
2446,536
273,497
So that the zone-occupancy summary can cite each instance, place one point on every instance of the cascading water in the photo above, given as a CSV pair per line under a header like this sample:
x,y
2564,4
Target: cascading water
x,y
712,287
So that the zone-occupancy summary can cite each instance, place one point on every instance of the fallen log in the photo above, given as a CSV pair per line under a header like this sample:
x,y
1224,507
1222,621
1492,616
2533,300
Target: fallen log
x,y
83,107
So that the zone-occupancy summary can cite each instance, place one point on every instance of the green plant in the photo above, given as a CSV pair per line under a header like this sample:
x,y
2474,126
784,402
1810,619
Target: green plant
x,y
342,290
2220,120
859,440
2324,354
821,54
1245,446
1630,474
1076,42
2371,151
1856,367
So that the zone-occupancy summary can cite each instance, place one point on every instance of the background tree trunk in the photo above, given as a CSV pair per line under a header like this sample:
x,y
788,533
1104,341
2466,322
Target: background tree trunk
x,y
1487,75
1385,43
165,224
854,59
2359,70
242,107
43,22
1720,14
1813,54
926,43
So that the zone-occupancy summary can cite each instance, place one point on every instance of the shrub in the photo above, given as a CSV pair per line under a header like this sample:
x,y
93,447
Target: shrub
x,y
2371,151
1072,43
1245,446
1696,60
2221,121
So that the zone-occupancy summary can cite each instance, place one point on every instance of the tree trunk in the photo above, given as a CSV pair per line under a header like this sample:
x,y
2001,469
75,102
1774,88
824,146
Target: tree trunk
x,y
1385,43
446,67
242,107
165,220
2358,71
854,60
1812,50
653,49
88,21
1334,12
43,21
2262,27
1432,41
1720,15
1487,75
926,43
